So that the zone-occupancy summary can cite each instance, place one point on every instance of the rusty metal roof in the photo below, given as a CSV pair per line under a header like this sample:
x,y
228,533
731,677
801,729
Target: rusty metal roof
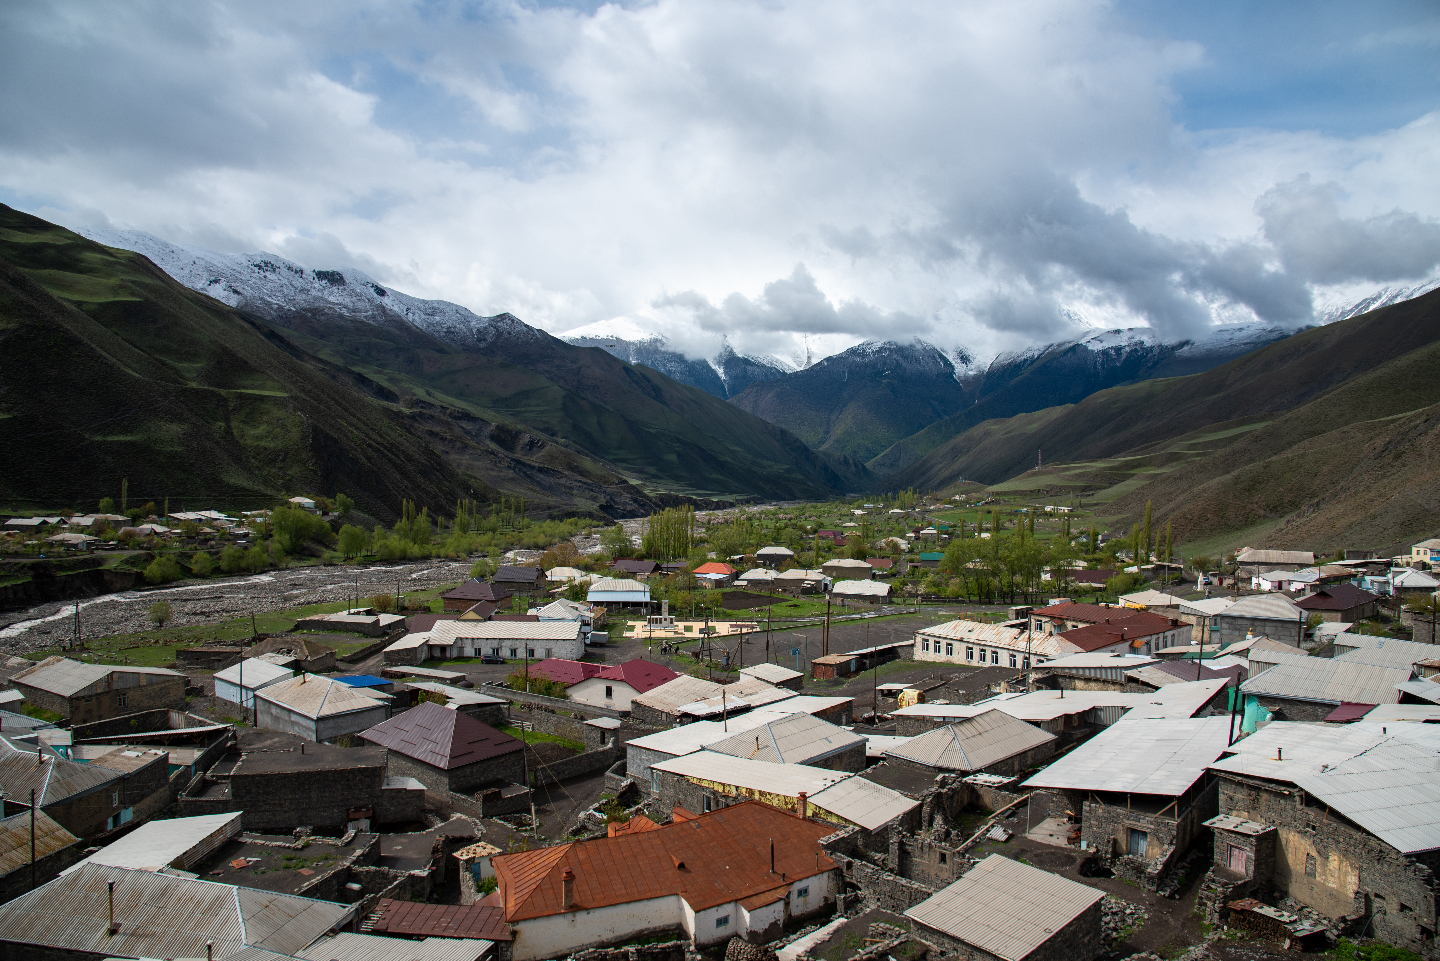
x,y
410,919
441,737
15,839
52,777
163,916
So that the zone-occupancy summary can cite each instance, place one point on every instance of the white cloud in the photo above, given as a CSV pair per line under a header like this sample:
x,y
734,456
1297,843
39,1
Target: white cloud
x,y
961,172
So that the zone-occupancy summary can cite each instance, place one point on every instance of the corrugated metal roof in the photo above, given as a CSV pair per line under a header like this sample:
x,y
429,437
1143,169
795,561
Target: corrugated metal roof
x,y
1173,700
1274,606
160,844
1328,681
481,922
455,695
15,839
449,632
771,673
1382,777
618,585
1399,713
1091,659
689,738
1004,907
974,743
369,947
1383,651
65,677
785,780
861,588
668,697
795,739
316,697
52,777
163,916
440,737
1163,756
1256,555
863,802
1208,607
254,672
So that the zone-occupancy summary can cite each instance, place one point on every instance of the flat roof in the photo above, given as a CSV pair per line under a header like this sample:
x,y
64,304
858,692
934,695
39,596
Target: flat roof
x,y
158,844
1163,756
863,802
785,780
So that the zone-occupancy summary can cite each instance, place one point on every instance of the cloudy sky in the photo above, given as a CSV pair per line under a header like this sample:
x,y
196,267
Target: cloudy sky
x,y
788,175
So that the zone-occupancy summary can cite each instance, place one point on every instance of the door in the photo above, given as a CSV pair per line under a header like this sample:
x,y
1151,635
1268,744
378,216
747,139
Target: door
x,y
1138,841
1237,859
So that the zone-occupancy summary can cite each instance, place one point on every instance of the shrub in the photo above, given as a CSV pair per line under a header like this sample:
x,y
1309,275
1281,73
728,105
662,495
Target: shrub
x,y
163,570
201,565
232,560
383,603
160,613
536,684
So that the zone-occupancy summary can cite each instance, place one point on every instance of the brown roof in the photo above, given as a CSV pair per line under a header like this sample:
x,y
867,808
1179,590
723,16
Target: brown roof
x,y
476,591
710,860
414,920
1135,622
636,825
441,737
635,567
521,575
421,623
1337,597
1093,637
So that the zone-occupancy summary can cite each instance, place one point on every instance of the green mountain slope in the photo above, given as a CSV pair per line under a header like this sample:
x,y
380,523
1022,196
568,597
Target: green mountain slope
x,y
111,370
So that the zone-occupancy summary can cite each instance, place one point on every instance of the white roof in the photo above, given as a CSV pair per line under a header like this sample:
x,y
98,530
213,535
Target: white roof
x,y
315,696
863,802
801,574
1413,578
1383,651
1399,713
974,743
784,780
410,641
346,946
774,552
962,630
1127,662
455,695
861,589
1328,681
771,673
617,585
759,574
254,672
158,844
1383,778
1173,700
65,677
1208,607
449,632
564,574
879,745
689,738
1143,756
1153,599
847,562
793,739
1005,908
1253,555
809,704
1275,607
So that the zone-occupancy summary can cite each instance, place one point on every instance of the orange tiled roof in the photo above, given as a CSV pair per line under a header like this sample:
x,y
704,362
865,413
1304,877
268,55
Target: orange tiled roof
x,y
709,860
635,825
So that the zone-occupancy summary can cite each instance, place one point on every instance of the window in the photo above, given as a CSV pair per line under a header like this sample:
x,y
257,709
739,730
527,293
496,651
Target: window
x,y
120,700
495,651
949,649
114,798
723,921
942,857
654,781
1013,661
925,645
803,892
529,652
969,653
709,804
609,692
514,652
1310,866
994,657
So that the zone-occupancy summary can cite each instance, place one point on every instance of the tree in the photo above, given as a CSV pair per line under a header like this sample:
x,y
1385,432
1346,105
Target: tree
x,y
353,540
160,613
484,567
200,564
256,560
669,534
107,505
1094,540
344,504
383,603
232,560
616,542
1169,539
1147,540
293,527
124,494
163,570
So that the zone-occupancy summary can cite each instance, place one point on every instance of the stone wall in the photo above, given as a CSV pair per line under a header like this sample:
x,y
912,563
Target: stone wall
x,y
880,888
559,704
208,658
280,802
1290,709
1227,630
581,764
462,780
138,722
549,722
1339,869
160,691
1107,824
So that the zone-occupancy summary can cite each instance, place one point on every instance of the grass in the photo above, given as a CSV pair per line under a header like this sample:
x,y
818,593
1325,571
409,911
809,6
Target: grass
x,y
535,737
1347,950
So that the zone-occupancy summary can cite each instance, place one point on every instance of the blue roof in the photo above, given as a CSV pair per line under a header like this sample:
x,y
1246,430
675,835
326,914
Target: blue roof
x,y
363,680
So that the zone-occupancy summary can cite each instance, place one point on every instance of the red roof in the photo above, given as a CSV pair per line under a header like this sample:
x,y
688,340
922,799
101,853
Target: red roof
x,y
421,623
1348,712
711,860
1095,637
640,674
1135,622
715,567
1337,597
636,825
562,671
414,920
879,562
440,737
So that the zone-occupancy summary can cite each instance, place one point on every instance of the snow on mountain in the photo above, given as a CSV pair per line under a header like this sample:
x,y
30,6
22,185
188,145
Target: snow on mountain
x,y
273,287
1384,297
723,375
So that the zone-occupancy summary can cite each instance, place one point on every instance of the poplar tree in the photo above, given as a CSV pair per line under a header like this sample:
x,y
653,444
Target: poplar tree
x,y
1147,541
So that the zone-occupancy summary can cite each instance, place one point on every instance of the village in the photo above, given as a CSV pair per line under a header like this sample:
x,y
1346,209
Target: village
x,y
830,754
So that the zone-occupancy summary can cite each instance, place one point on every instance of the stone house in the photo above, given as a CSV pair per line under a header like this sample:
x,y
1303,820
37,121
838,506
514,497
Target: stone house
x,y
1143,791
1346,820
1251,561
523,581
797,739
467,595
991,743
1002,910
448,751
55,848
1299,688
308,655
93,692
318,708
1269,615
743,872
1342,603
514,640
86,799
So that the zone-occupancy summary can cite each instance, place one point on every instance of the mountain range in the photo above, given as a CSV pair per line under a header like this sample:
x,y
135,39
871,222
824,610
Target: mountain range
x,y
278,378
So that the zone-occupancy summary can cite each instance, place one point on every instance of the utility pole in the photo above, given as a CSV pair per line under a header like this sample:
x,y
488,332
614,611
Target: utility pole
x,y
825,647
32,839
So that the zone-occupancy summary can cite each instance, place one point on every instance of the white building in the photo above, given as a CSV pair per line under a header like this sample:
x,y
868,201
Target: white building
x,y
239,682
513,640
977,643
618,592
319,708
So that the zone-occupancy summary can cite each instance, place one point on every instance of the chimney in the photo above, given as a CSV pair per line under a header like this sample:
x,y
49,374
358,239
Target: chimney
x,y
113,926
209,951
804,805
772,855
1279,754
567,889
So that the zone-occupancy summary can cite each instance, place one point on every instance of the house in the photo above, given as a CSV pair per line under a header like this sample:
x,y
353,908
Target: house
x,y
55,848
1142,790
1152,677
1299,688
465,596
1343,603
626,567
1344,819
1250,561
484,922
1002,910
318,708
685,699
618,592
759,577
92,692
1273,615
565,610
616,686
100,912
800,581
85,799
991,743
190,743
643,752
558,576
281,781
173,843
1406,582
720,574
1103,671
514,640
776,675
857,661
774,555
309,655
978,643
1156,602
1062,712
482,707
880,564
446,750
707,879
1137,633
1425,552
861,592
304,503
479,611
847,569
563,671
239,682
518,580
797,739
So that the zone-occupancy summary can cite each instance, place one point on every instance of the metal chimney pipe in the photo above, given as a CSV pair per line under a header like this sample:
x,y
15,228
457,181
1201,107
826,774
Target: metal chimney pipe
x,y
113,926
209,951
772,855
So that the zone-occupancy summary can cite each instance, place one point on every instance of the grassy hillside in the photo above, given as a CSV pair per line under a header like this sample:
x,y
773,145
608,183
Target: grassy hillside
x,y
112,370
1324,440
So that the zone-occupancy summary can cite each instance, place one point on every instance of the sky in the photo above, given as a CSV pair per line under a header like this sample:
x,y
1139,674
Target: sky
x,y
790,178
